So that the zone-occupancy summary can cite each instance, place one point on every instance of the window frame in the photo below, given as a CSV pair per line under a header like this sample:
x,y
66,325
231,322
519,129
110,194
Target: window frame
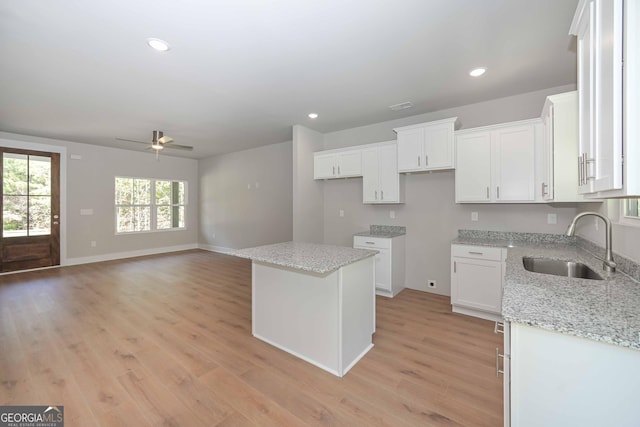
x,y
623,219
153,206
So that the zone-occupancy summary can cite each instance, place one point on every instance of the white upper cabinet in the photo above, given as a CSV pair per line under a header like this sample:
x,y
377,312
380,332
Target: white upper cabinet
x,y
380,179
331,164
560,149
608,97
427,146
496,164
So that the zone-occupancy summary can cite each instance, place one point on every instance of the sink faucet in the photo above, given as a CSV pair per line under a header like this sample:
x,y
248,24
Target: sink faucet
x,y
609,265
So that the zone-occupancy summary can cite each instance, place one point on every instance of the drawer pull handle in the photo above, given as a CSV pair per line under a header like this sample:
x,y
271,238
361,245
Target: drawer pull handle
x,y
476,253
498,328
370,243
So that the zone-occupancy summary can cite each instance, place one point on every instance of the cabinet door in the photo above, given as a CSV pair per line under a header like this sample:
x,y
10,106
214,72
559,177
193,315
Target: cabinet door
x,y
324,166
606,167
473,167
383,269
389,181
349,164
410,155
586,92
514,165
477,284
438,147
547,186
370,191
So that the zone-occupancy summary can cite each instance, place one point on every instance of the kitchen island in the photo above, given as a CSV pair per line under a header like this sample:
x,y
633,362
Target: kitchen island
x,y
316,302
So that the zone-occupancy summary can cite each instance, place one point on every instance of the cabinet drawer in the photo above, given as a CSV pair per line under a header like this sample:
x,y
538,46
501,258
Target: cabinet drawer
x,y
371,242
477,252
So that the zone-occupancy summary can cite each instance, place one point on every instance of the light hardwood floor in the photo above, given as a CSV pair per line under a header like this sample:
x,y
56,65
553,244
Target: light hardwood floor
x,y
166,340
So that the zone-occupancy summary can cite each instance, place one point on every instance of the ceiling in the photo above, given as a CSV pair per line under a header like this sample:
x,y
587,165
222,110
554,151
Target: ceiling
x,y
240,73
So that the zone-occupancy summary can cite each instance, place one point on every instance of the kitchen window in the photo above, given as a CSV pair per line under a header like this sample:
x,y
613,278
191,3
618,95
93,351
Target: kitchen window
x,y
630,212
143,204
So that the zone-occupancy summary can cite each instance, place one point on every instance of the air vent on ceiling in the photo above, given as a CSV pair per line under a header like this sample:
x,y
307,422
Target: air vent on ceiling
x,y
401,106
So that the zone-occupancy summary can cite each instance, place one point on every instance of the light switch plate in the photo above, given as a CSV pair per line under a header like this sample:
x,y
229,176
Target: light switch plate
x,y
474,216
552,219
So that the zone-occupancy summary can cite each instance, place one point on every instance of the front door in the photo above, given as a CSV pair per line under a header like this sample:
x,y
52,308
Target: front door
x,y
30,182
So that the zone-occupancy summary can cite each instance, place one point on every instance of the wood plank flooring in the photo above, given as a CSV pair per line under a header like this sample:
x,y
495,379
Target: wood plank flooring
x,y
166,340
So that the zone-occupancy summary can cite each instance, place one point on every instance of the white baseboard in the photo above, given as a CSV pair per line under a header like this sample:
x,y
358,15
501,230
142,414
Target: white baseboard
x,y
212,248
128,254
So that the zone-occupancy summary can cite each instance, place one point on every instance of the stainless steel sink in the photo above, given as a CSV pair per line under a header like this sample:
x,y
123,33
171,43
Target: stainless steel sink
x,y
559,267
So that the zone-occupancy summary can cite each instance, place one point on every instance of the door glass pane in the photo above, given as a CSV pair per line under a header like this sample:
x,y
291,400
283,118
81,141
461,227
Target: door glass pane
x,y
15,216
39,176
14,174
39,215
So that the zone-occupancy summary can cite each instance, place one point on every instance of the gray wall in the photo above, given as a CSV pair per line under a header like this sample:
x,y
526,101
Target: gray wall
x,y
90,185
246,198
625,237
429,212
308,196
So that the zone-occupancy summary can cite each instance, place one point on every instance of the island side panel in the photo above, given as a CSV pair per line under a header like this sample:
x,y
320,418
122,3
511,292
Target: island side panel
x,y
358,290
298,313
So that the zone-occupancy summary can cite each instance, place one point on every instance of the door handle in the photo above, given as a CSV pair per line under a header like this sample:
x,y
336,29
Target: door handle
x,y
498,356
376,194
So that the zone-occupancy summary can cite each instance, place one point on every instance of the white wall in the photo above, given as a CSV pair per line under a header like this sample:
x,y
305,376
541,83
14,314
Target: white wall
x,y
308,196
246,198
90,185
429,212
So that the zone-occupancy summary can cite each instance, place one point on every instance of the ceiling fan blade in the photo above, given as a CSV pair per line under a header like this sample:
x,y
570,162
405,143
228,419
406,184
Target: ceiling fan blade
x,y
178,147
165,140
132,140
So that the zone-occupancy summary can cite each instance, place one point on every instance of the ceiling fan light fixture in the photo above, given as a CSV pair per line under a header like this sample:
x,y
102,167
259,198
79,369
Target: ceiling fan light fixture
x,y
157,44
157,145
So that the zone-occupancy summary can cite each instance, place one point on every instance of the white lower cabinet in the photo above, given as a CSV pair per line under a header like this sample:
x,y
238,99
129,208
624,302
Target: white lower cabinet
x,y
389,262
560,380
477,276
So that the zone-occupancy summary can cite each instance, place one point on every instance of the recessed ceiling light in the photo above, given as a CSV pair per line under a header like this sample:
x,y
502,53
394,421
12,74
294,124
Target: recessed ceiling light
x,y
477,72
159,45
313,116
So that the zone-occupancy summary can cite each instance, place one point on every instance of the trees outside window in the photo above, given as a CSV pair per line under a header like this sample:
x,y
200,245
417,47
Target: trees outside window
x,y
144,204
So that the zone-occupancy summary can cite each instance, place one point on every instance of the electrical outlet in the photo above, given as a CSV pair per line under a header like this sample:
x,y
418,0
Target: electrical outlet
x,y
474,216
552,218
341,213
392,214
431,284
93,244
213,235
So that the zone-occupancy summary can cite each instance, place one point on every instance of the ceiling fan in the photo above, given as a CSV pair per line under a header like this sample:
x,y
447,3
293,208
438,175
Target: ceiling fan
x,y
159,142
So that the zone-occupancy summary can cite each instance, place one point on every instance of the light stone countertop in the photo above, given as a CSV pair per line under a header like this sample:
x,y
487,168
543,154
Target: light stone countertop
x,y
384,231
312,257
604,310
